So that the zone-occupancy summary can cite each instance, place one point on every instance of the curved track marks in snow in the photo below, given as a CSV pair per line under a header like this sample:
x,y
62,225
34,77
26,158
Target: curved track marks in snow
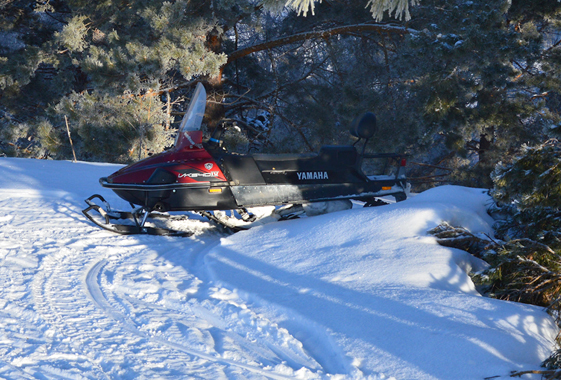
x,y
76,303
94,290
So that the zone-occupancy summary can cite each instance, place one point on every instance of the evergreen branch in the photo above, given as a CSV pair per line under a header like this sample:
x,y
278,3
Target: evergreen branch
x,y
533,244
533,263
429,176
238,98
317,34
374,41
497,244
299,130
56,19
542,95
304,77
155,93
524,69
459,237
458,241
247,100
273,92
552,47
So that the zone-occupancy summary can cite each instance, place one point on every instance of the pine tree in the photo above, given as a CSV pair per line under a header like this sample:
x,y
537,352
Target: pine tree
x,y
477,76
109,67
528,190
526,262
458,85
525,253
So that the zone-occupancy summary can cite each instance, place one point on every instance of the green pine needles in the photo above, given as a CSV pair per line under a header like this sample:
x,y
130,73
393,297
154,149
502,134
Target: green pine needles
x,y
108,68
533,180
526,263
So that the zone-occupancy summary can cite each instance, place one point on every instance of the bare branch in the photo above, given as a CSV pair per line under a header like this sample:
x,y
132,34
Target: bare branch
x,y
317,34
429,165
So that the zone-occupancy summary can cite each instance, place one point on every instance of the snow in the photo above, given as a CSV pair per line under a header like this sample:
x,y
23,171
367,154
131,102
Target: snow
x,y
357,294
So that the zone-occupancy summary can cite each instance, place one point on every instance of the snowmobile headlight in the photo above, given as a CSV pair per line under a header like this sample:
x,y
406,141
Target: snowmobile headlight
x,y
215,190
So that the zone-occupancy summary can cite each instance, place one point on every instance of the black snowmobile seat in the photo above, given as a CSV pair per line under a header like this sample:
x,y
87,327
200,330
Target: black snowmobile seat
x,y
282,156
364,127
338,155
337,158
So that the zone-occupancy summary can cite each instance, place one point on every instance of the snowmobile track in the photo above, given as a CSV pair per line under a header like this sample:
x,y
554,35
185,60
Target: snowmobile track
x,y
85,294
96,294
62,319
64,301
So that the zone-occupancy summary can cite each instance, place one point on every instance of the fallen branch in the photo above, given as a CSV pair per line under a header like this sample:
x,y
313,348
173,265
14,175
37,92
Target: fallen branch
x,y
551,374
458,237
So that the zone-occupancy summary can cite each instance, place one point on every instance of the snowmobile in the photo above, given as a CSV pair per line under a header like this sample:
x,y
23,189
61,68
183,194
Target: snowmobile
x,y
204,177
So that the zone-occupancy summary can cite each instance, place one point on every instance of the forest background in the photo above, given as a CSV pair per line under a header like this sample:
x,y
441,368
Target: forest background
x,y
459,85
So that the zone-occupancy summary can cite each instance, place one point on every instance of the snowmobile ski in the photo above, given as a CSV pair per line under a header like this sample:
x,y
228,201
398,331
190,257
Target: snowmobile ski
x,y
138,215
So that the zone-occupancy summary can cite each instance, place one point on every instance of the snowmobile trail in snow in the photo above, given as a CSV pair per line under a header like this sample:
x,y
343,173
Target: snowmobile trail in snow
x,y
113,316
128,307
94,291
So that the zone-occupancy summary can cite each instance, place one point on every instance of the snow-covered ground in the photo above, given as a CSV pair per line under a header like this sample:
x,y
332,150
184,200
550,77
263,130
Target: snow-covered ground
x,y
362,293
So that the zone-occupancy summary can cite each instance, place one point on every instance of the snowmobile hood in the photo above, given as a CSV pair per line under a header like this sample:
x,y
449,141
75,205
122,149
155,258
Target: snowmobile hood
x,y
141,171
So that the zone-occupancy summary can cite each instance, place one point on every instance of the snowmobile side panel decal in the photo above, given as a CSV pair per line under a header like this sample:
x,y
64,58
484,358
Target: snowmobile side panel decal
x,y
197,174
312,175
309,177
213,176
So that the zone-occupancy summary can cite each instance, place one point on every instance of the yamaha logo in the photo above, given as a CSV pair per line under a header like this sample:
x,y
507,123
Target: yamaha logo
x,y
312,175
209,165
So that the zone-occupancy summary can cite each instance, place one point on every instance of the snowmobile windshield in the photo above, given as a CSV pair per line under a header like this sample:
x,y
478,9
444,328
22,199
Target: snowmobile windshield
x,y
194,116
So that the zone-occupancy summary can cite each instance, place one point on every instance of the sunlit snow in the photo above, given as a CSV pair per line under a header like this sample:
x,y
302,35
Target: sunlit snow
x,y
362,293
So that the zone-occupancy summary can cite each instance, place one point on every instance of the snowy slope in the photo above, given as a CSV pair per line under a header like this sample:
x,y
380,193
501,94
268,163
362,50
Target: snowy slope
x,y
363,293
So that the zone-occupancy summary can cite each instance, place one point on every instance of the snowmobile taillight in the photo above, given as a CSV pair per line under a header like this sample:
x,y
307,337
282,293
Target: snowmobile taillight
x,y
403,162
